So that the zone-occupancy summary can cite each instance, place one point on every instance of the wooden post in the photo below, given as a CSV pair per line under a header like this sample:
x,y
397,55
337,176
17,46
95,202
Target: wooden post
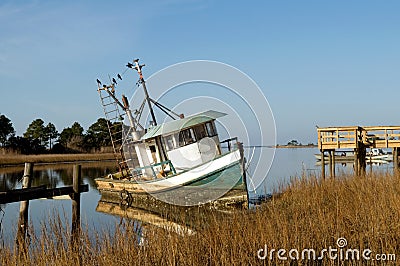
x,y
330,163
396,158
243,171
323,164
76,208
356,169
333,164
362,158
370,161
24,205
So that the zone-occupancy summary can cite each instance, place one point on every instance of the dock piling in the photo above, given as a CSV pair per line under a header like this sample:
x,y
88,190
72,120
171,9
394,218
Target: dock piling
x,y
333,164
76,199
396,158
27,193
323,164
330,163
24,205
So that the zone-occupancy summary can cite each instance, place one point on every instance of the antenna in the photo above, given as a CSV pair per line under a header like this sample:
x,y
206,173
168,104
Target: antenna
x,y
138,68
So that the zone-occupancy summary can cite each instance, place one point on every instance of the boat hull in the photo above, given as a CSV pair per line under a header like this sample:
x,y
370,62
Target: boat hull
x,y
207,181
350,158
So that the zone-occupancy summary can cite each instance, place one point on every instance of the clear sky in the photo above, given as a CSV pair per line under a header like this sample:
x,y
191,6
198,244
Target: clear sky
x,y
325,63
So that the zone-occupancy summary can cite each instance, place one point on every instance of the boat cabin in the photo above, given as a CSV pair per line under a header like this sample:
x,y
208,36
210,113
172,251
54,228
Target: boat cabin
x,y
184,143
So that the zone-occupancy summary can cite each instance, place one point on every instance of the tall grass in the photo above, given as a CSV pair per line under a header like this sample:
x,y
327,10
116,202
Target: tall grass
x,y
53,158
309,214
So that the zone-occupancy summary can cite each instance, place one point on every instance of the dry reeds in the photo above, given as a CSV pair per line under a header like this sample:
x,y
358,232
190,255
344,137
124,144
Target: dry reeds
x,y
53,158
309,214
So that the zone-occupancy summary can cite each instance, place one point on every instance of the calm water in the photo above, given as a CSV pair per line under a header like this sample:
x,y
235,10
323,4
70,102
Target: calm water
x,y
288,163
40,210
293,163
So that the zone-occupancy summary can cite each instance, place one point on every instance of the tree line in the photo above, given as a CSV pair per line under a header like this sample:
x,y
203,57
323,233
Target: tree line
x,y
40,137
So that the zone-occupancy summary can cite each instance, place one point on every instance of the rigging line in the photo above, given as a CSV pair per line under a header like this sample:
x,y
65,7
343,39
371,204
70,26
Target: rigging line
x,y
123,73
251,180
251,158
166,108
162,109
140,111
130,130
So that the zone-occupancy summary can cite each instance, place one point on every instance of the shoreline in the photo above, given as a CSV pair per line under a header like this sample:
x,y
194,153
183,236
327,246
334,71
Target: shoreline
x,y
15,160
295,146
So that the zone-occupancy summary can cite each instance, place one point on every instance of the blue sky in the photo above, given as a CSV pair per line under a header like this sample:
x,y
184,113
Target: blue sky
x,y
325,63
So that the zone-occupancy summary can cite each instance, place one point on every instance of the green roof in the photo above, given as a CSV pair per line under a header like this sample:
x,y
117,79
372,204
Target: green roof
x,y
177,125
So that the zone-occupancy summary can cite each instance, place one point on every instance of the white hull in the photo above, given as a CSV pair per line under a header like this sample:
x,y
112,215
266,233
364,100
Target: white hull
x,y
193,174
339,158
196,174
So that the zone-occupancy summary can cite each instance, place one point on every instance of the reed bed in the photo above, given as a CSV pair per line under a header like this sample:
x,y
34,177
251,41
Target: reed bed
x,y
309,214
53,158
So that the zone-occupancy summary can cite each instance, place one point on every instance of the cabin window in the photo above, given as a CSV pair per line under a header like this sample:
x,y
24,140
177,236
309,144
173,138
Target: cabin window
x,y
210,129
152,148
186,137
200,131
153,152
169,143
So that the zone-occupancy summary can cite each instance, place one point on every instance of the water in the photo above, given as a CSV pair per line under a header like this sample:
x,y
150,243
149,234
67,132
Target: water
x,y
40,210
288,163
297,162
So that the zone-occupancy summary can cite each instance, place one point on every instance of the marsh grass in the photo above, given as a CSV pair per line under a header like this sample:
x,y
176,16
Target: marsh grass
x,y
310,213
53,158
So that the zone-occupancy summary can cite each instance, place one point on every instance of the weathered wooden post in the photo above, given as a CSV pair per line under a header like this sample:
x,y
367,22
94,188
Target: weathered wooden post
x,y
333,164
330,163
362,158
396,158
76,208
24,206
370,162
356,168
243,171
323,163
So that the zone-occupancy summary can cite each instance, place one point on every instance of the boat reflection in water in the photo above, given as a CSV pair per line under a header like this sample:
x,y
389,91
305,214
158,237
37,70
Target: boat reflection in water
x,y
143,218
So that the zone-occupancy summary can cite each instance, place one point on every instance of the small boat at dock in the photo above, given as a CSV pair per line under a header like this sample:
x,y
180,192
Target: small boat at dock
x,y
374,155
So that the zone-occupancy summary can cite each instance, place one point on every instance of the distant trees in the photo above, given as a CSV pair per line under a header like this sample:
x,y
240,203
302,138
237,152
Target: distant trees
x,y
6,130
36,131
98,135
293,142
72,137
51,133
25,146
40,138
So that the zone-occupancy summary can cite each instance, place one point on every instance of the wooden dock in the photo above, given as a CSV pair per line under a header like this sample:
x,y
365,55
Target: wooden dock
x,y
359,139
27,193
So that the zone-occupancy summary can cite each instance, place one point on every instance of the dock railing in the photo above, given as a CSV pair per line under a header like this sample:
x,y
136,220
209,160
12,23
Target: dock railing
x,y
351,137
338,137
382,137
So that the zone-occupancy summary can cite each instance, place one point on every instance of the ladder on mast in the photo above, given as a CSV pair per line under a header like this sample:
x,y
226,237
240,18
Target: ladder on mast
x,y
115,119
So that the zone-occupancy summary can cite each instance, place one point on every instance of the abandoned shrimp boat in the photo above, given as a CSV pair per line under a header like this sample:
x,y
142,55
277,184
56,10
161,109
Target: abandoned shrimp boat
x,y
175,159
